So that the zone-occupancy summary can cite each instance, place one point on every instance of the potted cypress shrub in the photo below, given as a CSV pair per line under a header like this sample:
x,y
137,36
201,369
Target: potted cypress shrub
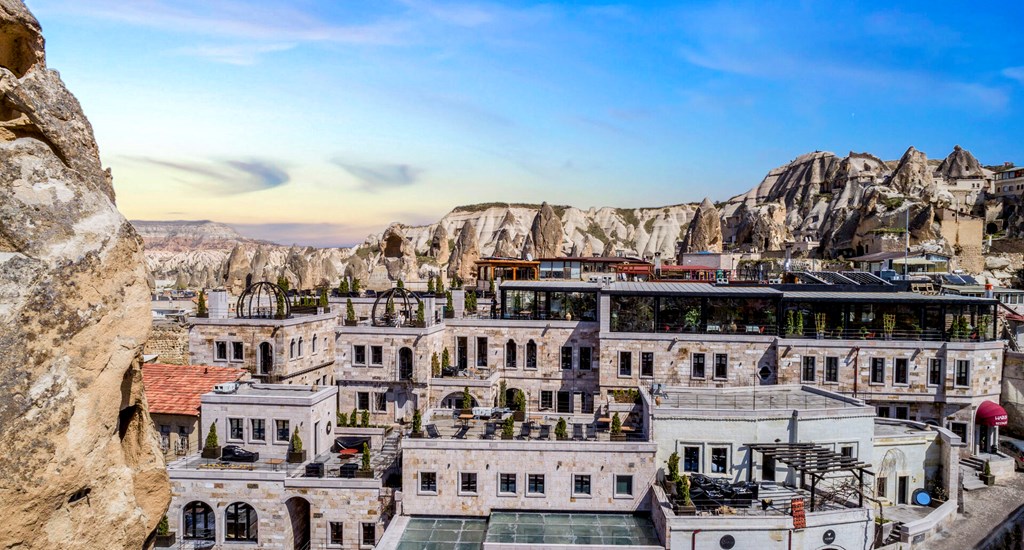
x,y
986,475
449,309
435,366
616,432
342,419
673,473
364,419
165,538
417,425
467,401
430,285
350,313
201,310
508,428
365,471
296,454
519,404
212,447
353,419
686,507
561,432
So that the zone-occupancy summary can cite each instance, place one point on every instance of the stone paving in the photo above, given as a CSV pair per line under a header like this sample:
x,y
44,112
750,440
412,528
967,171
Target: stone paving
x,y
985,511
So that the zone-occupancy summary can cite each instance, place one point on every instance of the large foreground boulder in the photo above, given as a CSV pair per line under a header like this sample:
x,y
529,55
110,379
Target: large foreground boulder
x,y
80,464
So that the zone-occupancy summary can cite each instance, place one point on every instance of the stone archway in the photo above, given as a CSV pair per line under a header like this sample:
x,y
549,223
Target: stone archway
x,y
299,516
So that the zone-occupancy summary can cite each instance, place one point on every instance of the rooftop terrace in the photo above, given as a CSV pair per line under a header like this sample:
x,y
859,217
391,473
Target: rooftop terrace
x,y
753,398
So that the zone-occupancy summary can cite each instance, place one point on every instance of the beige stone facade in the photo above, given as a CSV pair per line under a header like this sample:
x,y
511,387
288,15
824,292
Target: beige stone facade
x,y
169,342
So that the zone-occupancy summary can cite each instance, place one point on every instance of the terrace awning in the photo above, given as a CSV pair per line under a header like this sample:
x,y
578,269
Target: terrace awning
x,y
991,414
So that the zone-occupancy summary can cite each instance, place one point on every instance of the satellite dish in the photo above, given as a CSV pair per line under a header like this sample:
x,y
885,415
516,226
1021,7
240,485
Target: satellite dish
x,y
529,257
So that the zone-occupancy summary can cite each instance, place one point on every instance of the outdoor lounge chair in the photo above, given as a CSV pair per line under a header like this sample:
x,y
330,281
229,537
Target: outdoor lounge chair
x,y
432,431
461,434
591,431
489,430
526,431
577,432
545,432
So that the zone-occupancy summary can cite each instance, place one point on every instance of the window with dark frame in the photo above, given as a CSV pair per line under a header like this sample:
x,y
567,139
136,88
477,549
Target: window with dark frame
x,y
428,482
283,431
235,429
337,532
963,373
481,351
547,399
467,482
846,450
877,370
380,402
719,460
376,355
586,357
369,534
647,363
566,357
691,459
831,369
581,484
363,400
535,484
358,355
625,363
506,483
935,372
236,351
900,373
220,351
623,486
259,429
721,366
240,523
808,373
697,365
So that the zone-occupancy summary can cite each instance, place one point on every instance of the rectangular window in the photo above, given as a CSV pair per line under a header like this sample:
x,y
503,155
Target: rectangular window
x,y
721,366
236,431
358,355
963,373
283,431
697,365
461,352
719,460
625,363
220,351
507,483
369,534
883,412
647,363
883,483
467,482
586,357
846,450
899,371
259,429
376,355
380,402
903,413
535,484
691,459
581,485
236,351
337,532
566,358
546,399
878,370
807,374
428,482
936,374
832,369
960,429
565,402
363,400
481,351
623,486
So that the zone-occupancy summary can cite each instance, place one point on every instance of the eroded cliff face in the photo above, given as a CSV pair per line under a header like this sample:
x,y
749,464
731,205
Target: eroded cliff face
x,y
80,465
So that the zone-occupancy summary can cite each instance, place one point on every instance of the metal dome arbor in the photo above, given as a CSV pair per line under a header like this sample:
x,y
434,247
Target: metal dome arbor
x,y
395,307
263,300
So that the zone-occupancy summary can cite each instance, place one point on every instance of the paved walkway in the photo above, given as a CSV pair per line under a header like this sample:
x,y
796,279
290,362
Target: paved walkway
x,y
985,510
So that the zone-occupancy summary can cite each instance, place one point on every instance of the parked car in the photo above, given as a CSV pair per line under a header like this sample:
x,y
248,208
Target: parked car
x,y
234,453
1015,449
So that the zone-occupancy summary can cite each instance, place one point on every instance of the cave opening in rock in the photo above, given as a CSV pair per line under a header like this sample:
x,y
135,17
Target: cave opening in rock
x,y
125,419
393,247
16,51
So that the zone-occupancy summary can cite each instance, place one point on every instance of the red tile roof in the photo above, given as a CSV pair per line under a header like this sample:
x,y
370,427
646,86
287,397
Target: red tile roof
x,y
175,389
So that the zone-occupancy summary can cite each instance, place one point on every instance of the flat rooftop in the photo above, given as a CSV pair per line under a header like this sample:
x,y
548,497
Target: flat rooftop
x,y
272,394
756,398
530,528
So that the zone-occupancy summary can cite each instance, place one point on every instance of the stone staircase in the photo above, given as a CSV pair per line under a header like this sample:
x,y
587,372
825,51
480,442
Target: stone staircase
x,y
972,466
894,535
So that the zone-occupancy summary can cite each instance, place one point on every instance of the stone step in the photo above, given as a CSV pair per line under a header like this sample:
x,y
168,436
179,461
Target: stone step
x,y
973,463
972,483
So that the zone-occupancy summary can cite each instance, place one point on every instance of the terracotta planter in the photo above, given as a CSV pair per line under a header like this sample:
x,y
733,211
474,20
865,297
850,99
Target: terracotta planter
x,y
211,452
296,457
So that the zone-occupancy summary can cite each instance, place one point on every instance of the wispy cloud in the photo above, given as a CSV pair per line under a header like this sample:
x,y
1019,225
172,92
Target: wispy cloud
x,y
1014,73
222,177
376,176
234,54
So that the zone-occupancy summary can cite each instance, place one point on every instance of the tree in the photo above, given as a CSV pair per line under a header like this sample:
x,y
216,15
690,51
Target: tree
x,y
507,428
421,315
435,365
201,310
389,307
448,301
616,424
430,285
439,289
211,436
467,398
280,306
366,457
296,441
342,419
162,528
353,418
673,467
502,388
282,282
343,286
471,301
417,422
355,285
364,419
519,401
561,431
400,283
683,490
350,310
323,298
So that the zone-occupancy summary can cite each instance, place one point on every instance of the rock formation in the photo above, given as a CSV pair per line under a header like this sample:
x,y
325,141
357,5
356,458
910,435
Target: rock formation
x,y
399,256
465,254
913,175
547,232
80,464
704,233
439,249
529,250
236,269
960,164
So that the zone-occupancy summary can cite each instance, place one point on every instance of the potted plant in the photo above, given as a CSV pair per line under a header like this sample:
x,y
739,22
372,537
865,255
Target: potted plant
x,y
430,285
799,323
467,401
616,431
686,507
343,287
435,366
561,432
353,418
986,475
365,470
364,419
449,309
519,406
692,319
350,313
888,325
502,394
421,315
673,468
212,447
417,425
508,427
342,419
165,538
296,454
201,310
446,361
983,324
819,325
356,288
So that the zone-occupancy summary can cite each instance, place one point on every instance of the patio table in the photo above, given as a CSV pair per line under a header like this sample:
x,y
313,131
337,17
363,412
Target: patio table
x,y
275,462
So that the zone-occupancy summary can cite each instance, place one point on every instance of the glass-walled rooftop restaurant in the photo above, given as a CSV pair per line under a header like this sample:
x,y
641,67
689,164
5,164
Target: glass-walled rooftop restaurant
x,y
706,309
536,300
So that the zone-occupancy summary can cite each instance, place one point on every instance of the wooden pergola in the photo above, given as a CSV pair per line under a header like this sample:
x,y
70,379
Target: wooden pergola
x,y
813,460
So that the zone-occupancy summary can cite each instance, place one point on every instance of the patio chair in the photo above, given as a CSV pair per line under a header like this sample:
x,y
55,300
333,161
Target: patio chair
x,y
545,432
489,430
577,432
461,434
432,431
591,431
526,431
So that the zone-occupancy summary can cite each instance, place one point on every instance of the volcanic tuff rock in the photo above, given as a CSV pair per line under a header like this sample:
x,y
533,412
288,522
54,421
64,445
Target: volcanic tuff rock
x,y
705,230
80,464
466,252
398,254
547,232
439,249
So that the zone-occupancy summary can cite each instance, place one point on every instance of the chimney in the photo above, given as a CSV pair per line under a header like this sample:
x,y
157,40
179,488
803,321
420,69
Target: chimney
x,y
657,265
218,304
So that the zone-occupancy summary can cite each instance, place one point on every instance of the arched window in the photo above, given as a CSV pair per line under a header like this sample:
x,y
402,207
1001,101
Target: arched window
x,y
531,355
300,346
199,521
314,344
291,351
240,522
510,354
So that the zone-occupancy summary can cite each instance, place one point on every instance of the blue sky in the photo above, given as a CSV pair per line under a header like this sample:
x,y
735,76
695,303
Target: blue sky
x,y
319,122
